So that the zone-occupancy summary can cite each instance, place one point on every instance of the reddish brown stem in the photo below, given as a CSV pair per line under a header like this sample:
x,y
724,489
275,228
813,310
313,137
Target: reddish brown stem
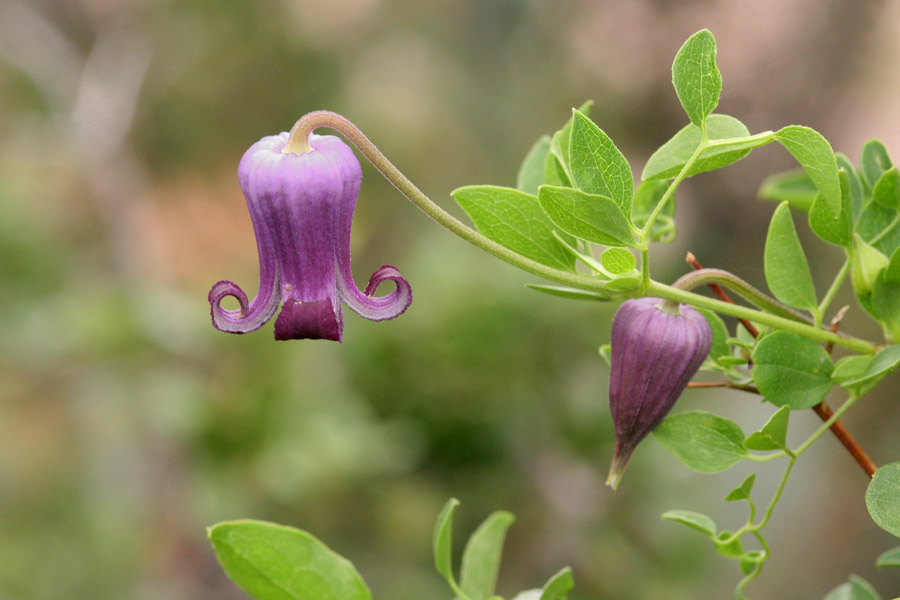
x,y
822,409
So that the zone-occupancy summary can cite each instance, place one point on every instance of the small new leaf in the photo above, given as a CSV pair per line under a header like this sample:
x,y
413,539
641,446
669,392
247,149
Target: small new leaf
x,y
694,520
697,80
742,492
856,588
875,161
442,542
558,586
481,557
773,435
891,558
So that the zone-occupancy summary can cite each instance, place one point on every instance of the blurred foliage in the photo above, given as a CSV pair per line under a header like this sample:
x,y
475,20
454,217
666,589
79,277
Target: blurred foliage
x,y
127,424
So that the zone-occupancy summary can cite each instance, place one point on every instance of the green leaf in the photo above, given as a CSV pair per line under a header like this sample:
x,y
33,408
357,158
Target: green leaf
x,y
618,261
694,520
274,562
890,558
886,361
877,222
885,304
531,173
856,588
558,586
590,217
646,197
559,144
703,441
834,228
773,435
515,220
442,542
815,155
555,173
570,293
849,369
671,157
857,192
719,345
883,498
733,549
794,187
887,189
791,370
786,268
697,80
875,161
528,595
597,166
892,271
742,492
624,283
481,557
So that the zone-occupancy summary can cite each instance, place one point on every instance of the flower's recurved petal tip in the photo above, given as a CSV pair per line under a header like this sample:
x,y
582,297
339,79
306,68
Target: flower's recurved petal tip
x,y
309,320
377,308
249,317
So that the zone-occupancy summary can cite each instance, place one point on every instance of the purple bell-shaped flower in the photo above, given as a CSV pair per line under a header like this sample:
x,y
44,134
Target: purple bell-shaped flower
x,y
657,346
301,205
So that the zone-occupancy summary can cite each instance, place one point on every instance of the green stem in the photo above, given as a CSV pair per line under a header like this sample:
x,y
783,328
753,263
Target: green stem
x,y
763,318
703,277
832,291
311,121
851,400
645,232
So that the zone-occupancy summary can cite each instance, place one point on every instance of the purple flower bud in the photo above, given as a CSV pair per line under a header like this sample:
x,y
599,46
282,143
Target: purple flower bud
x,y
302,206
656,348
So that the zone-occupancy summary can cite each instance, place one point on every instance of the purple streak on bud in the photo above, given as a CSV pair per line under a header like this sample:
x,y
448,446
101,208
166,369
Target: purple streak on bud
x,y
655,352
302,208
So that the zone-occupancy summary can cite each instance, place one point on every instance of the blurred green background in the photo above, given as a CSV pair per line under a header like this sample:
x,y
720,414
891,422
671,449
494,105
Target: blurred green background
x,y
128,424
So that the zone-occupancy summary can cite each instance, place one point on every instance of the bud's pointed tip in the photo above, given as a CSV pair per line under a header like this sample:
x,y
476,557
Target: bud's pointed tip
x,y
616,470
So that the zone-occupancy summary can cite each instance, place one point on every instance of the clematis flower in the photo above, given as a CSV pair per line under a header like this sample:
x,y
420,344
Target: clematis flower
x,y
302,206
657,347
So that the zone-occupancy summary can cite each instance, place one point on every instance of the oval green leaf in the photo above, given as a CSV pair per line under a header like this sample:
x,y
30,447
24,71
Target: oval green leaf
x,y
791,370
618,261
794,187
697,80
590,217
703,441
891,558
274,562
815,155
883,498
481,557
856,588
694,520
515,219
786,268
671,157
597,166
